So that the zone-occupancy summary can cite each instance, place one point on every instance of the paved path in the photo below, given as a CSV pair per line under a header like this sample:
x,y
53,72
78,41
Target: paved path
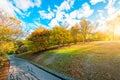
x,y
23,70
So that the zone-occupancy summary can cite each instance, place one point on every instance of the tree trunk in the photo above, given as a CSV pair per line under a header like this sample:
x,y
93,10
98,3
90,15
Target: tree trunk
x,y
84,39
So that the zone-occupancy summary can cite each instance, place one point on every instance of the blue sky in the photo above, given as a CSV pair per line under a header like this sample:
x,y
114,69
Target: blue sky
x,y
48,13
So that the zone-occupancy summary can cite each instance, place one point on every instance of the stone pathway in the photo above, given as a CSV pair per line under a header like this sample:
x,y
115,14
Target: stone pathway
x,y
23,70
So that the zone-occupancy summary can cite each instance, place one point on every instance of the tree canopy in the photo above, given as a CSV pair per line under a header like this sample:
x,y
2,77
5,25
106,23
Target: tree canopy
x,y
10,30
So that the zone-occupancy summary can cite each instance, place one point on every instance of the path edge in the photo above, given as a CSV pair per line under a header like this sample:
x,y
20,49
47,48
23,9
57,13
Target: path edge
x,y
59,75
52,72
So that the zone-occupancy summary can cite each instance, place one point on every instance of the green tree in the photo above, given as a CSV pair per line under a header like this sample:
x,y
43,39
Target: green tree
x,y
59,35
21,46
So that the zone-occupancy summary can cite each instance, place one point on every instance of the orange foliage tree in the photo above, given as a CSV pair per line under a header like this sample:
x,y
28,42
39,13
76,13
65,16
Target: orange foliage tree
x,y
39,39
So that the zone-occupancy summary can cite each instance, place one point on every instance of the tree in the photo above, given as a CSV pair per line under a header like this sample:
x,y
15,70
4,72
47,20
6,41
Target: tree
x,y
10,29
59,35
100,36
84,27
21,46
39,39
74,32
13,24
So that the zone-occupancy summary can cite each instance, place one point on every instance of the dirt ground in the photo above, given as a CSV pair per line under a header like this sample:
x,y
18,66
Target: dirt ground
x,y
4,71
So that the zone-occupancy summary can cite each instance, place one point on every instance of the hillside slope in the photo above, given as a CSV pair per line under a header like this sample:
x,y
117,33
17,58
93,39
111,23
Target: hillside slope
x,y
96,60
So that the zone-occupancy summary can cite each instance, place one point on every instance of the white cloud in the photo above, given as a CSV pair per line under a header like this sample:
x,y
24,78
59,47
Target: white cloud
x,y
71,22
59,17
74,14
37,3
23,4
93,2
111,11
119,2
113,15
26,14
26,4
65,5
100,15
17,10
101,26
62,16
29,27
7,6
111,3
53,22
110,7
85,11
47,15
101,21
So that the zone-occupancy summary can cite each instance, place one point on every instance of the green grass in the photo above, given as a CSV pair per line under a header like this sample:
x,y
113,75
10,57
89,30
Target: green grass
x,y
93,61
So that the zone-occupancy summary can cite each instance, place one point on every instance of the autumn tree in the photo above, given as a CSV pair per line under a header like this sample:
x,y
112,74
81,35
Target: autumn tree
x,y
39,39
12,23
10,29
74,32
84,27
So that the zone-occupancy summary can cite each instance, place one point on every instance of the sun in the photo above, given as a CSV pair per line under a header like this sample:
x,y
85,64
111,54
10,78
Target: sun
x,y
117,30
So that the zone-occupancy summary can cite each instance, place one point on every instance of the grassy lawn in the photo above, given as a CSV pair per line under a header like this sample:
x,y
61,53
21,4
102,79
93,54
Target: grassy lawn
x,y
92,61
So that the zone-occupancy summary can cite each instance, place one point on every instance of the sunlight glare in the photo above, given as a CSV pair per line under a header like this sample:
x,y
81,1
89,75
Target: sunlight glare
x,y
117,30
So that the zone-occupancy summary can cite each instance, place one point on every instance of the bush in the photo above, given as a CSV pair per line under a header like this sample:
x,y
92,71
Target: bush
x,y
2,61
